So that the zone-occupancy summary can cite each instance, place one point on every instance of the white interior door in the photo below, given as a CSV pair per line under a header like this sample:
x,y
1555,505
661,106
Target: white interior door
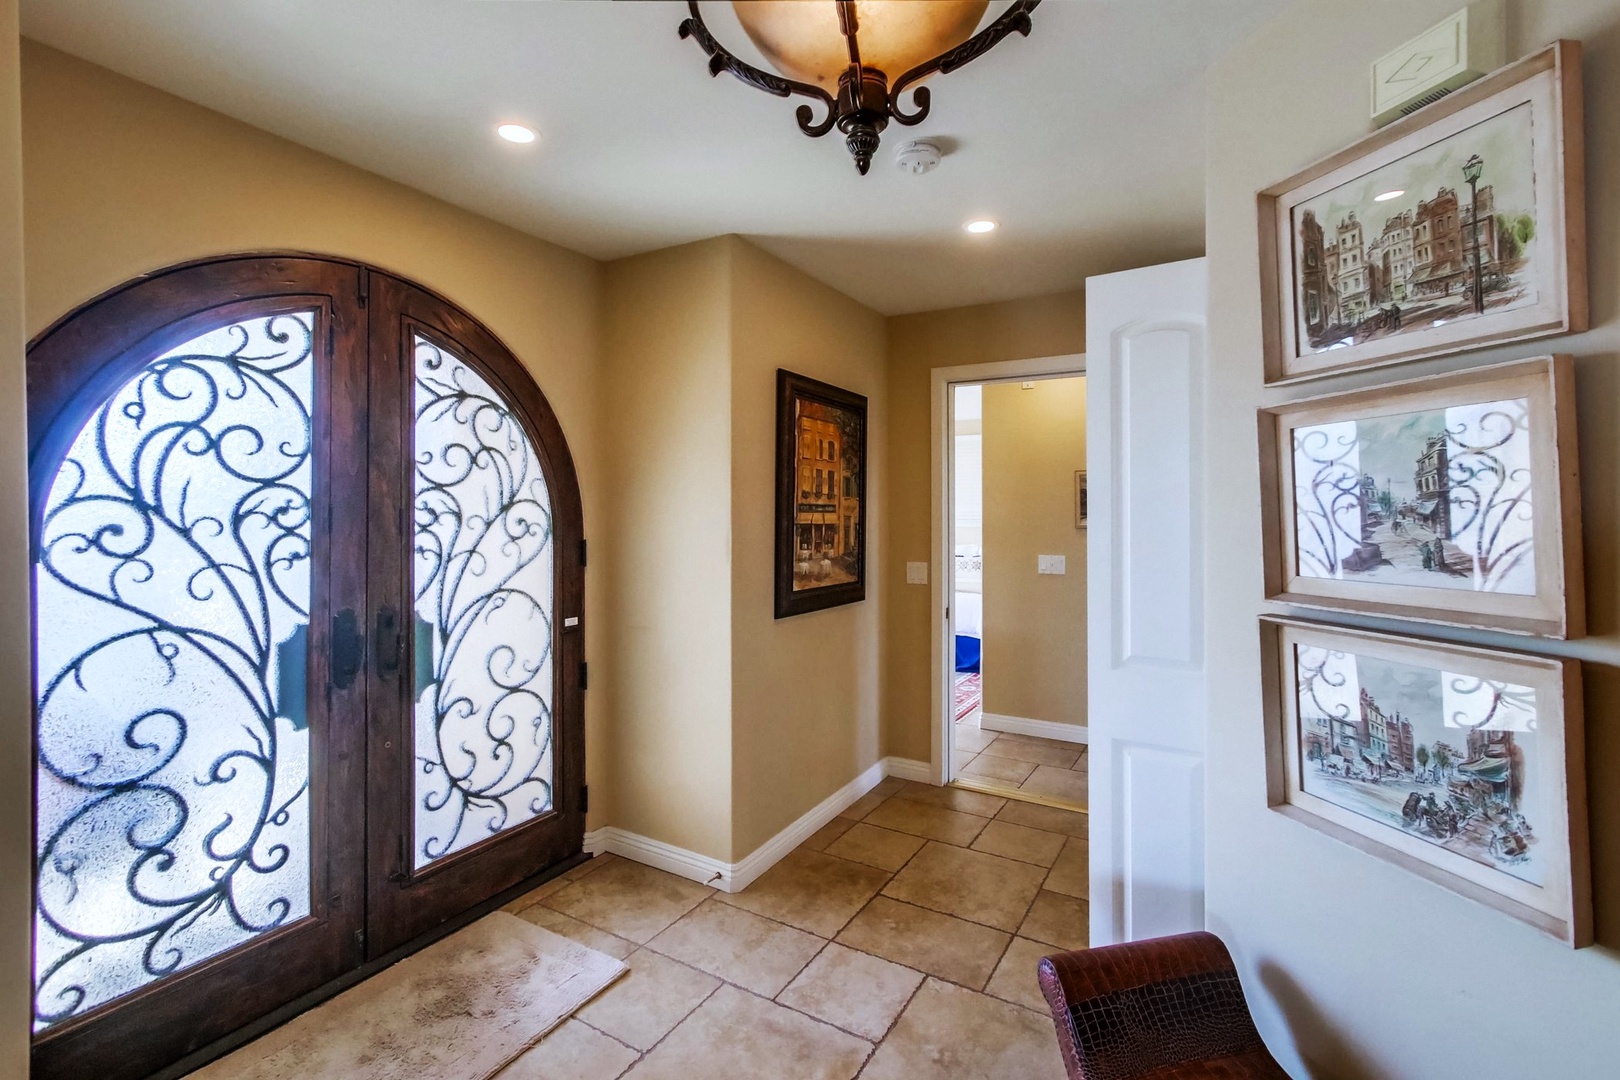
x,y
1145,357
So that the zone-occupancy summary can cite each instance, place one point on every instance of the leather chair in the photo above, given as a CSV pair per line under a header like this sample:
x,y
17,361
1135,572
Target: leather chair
x,y
1167,1008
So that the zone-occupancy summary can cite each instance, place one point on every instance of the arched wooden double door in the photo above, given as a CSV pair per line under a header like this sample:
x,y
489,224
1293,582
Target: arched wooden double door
x,y
308,608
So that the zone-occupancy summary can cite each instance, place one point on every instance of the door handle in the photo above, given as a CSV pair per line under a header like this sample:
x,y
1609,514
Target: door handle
x,y
389,642
348,649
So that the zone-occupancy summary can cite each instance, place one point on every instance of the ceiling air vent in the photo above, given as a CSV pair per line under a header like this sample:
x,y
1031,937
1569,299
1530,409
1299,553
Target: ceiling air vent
x,y
1452,53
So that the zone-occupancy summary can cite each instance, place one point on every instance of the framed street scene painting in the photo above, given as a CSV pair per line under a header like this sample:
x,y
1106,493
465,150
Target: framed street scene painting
x,y
820,495
1463,765
1451,499
1460,226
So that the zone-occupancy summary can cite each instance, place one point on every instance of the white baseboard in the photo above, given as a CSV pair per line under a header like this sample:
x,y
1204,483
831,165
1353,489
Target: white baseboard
x,y
909,769
735,877
1045,729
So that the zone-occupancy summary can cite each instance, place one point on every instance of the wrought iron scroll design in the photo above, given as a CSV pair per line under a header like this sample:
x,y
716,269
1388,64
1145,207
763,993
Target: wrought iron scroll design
x,y
483,589
1327,497
1015,20
1490,497
722,59
172,603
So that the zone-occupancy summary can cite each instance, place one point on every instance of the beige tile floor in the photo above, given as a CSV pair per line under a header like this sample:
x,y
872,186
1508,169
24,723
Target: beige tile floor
x,y
1024,763
898,942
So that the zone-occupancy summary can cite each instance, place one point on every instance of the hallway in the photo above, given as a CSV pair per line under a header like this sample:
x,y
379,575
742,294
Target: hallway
x,y
899,941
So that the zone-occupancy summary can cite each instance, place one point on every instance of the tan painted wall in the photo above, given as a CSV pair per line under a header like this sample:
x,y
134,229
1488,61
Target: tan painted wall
x,y
667,538
122,179
1018,329
1034,624
16,710
805,689
1367,970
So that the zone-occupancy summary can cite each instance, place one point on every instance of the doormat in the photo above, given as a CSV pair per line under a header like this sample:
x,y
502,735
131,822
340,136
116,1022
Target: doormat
x,y
967,695
461,1009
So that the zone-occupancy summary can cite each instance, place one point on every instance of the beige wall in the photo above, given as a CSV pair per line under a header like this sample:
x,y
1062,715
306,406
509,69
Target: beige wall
x,y
16,710
805,689
1018,329
1034,624
122,179
667,540
1353,966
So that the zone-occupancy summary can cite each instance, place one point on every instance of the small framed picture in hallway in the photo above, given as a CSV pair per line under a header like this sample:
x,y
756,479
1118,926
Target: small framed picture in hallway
x,y
820,495
1451,499
1460,764
1460,226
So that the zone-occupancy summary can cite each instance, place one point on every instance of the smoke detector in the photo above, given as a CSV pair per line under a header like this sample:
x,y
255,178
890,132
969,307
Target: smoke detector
x,y
917,157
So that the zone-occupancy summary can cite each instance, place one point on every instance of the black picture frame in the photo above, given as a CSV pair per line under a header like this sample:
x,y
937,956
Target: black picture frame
x,y
821,526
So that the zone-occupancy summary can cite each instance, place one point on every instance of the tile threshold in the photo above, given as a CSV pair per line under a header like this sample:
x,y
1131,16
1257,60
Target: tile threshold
x,y
970,783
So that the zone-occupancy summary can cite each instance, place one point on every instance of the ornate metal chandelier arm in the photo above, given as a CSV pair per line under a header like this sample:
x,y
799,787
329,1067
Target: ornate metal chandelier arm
x,y
1014,20
721,59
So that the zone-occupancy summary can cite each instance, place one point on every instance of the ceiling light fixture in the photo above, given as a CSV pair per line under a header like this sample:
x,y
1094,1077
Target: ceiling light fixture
x,y
857,57
982,225
1388,195
516,133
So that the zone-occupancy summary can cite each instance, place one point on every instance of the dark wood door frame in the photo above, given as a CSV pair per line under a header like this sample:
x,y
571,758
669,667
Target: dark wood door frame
x,y
73,367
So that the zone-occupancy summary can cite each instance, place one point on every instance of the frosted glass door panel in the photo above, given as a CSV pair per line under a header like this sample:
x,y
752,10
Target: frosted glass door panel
x,y
483,584
173,589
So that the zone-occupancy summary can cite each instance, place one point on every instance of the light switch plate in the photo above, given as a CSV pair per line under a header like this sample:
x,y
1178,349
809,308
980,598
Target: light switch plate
x,y
916,573
1051,564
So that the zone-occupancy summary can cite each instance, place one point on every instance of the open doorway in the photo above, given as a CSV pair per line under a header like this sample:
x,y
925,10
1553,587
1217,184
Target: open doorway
x,y
1016,526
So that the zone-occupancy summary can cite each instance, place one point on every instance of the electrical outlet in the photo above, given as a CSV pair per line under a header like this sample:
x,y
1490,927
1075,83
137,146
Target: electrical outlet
x,y
1051,564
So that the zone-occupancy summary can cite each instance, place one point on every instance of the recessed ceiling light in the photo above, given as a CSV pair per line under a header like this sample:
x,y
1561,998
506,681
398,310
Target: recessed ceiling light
x,y
1388,195
983,225
516,133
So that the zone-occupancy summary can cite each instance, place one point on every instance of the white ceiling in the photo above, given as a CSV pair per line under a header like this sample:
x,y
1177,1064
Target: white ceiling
x,y
1085,140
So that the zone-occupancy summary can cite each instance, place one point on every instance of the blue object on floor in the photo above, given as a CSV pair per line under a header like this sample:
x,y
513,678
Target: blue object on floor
x,y
967,653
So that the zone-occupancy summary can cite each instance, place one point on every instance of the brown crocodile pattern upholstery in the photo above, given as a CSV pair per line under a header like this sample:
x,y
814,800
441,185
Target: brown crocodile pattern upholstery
x,y
1164,1009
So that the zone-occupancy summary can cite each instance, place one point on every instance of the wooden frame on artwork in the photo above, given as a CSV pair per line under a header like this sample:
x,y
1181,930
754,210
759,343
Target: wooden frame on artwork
x,y
821,468
1451,499
1372,256
1465,766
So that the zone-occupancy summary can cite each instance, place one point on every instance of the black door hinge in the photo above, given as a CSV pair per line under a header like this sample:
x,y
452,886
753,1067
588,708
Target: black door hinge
x,y
582,552
365,286
585,798
584,680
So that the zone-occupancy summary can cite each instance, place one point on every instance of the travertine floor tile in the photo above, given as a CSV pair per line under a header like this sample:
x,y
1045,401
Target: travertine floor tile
x,y
810,890
889,785
1034,751
537,894
882,848
852,990
1059,920
572,1052
968,884
1071,874
864,805
1053,783
953,798
939,944
973,738
1015,979
1020,842
948,1033
628,899
739,946
924,819
736,1036
827,834
572,928
990,767
1067,822
646,1004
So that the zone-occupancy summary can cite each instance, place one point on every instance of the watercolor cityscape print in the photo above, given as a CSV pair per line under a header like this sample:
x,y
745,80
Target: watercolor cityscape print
x,y
1445,757
1439,498
1398,249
